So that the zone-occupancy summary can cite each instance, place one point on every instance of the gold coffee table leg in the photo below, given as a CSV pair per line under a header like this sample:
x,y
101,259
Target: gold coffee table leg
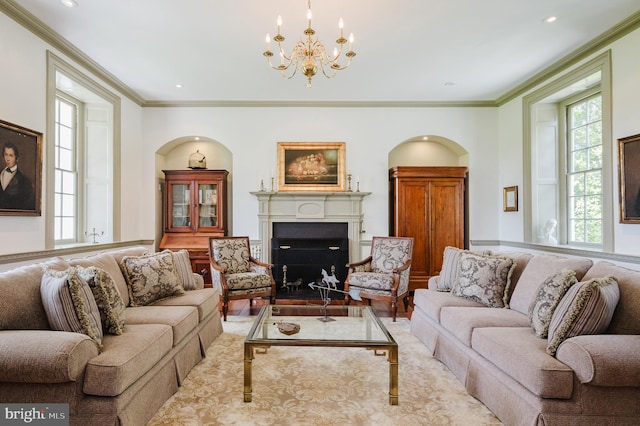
x,y
393,375
248,357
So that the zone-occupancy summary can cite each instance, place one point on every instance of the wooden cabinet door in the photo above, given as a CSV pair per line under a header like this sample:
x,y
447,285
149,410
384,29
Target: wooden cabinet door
x,y
413,221
446,227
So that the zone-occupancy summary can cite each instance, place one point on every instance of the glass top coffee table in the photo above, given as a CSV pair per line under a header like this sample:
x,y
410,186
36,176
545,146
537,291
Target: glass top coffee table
x,y
350,326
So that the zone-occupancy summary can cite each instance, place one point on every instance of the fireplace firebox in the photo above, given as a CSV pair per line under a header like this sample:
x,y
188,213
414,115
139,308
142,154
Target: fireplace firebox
x,y
301,250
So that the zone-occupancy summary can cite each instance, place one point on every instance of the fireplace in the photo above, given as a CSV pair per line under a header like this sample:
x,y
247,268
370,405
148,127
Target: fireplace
x,y
301,250
312,211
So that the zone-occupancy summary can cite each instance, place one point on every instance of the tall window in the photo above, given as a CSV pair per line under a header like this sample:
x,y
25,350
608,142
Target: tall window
x,y
83,174
66,174
568,161
584,171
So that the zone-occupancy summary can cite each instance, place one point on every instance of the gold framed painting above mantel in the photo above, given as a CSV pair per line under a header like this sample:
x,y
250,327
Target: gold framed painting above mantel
x,y
311,166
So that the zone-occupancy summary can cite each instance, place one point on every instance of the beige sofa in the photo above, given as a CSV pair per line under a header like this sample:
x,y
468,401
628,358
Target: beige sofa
x,y
592,380
130,377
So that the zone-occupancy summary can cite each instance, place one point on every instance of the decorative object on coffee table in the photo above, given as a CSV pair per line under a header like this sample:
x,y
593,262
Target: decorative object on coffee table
x,y
325,287
287,328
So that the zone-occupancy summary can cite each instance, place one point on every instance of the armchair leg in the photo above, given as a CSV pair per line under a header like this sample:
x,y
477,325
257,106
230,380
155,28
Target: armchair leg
x,y
225,309
394,310
347,299
405,300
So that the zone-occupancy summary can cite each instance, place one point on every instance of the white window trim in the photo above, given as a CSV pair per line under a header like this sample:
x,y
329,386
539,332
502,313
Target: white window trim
x,y
600,63
56,64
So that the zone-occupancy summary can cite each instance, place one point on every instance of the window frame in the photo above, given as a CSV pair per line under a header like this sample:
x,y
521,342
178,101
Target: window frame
x,y
55,66
601,64
565,129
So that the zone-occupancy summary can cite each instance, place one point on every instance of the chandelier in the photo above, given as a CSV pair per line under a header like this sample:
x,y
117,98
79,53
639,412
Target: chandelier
x,y
308,54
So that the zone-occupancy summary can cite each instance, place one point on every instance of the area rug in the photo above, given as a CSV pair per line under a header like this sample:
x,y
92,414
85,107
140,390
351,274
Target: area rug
x,y
320,386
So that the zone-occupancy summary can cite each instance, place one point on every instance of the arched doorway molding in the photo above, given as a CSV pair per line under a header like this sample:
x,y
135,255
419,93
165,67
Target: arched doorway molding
x,y
428,150
174,155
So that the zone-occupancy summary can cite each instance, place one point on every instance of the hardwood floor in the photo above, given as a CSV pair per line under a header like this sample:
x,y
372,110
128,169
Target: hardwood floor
x,y
242,307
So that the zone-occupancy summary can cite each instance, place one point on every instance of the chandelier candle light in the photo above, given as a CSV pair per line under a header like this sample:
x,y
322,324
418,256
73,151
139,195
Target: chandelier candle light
x,y
308,53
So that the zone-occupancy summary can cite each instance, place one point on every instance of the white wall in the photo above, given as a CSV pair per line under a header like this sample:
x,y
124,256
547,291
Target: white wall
x,y
23,102
625,113
251,134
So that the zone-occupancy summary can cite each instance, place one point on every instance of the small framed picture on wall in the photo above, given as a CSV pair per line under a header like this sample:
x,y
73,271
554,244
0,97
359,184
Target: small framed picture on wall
x,y
510,201
629,178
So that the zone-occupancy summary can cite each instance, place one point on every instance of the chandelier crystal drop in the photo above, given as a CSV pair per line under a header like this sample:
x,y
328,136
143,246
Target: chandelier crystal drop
x,y
310,54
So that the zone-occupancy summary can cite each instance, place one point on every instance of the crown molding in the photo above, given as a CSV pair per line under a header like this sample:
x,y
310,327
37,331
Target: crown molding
x,y
33,24
320,104
623,28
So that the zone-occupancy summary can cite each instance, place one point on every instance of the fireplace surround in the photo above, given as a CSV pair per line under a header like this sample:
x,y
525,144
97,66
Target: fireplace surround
x,y
320,210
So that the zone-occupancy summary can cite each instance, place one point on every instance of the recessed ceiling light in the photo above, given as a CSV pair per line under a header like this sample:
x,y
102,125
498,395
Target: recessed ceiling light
x,y
179,86
69,3
550,19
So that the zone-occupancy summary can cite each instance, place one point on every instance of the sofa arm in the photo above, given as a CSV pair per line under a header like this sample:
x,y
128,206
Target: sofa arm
x,y
44,356
603,359
199,280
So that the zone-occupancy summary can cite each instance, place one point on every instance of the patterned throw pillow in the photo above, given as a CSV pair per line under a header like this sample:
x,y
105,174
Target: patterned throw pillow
x,y
183,268
151,278
107,297
483,278
549,295
69,304
587,308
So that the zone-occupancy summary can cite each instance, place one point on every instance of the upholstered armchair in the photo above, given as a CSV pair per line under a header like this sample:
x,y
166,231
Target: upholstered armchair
x,y
384,275
236,274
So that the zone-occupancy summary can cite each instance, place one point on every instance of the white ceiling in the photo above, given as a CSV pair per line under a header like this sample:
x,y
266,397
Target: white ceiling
x,y
407,50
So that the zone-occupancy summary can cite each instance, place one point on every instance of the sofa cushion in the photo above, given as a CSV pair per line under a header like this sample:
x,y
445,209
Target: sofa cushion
x,y
483,278
521,260
520,354
625,319
431,302
536,271
107,263
107,297
126,358
182,319
119,254
206,300
69,303
549,294
150,277
587,308
58,356
20,301
182,263
462,321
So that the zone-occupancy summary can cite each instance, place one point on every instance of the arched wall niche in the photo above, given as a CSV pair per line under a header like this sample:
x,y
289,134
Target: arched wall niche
x,y
174,155
428,150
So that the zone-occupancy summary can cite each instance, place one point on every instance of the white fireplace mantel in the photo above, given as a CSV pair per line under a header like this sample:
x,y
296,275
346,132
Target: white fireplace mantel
x,y
310,207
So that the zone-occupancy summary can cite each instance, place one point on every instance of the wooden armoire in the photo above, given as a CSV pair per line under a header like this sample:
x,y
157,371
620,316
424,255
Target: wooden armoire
x,y
430,205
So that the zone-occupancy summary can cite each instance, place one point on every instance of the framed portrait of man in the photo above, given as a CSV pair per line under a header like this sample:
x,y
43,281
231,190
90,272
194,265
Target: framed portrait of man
x,y
629,178
21,170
